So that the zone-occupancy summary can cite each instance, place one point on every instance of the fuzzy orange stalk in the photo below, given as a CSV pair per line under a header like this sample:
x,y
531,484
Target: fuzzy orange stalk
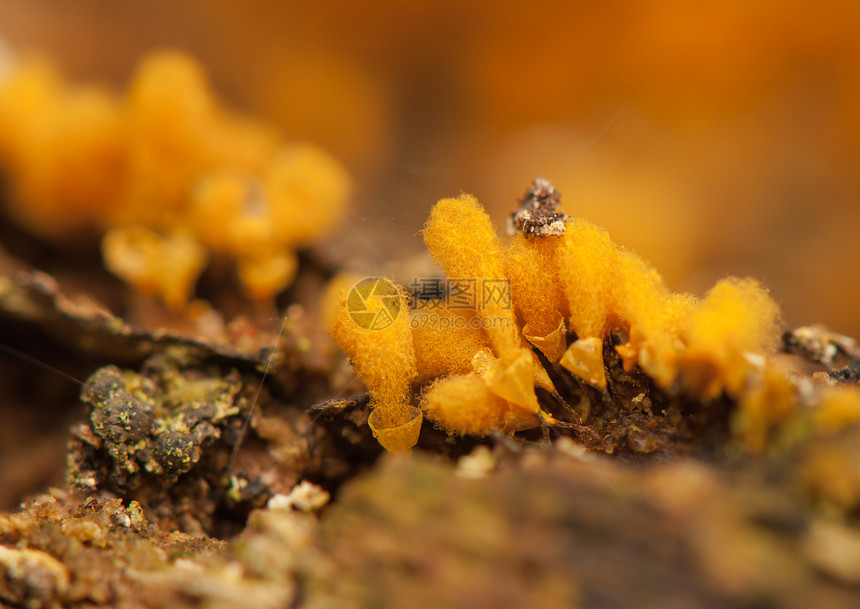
x,y
445,340
532,265
465,405
460,237
588,270
656,344
383,357
735,324
497,396
653,318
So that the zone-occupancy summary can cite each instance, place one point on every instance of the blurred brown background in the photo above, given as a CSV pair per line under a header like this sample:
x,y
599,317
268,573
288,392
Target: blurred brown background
x,y
735,149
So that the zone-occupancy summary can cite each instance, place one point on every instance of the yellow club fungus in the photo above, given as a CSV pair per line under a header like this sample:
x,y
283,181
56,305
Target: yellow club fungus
x,y
763,407
532,265
460,237
476,376
63,148
445,340
267,273
373,328
656,345
336,292
153,263
736,325
465,405
837,408
169,158
588,272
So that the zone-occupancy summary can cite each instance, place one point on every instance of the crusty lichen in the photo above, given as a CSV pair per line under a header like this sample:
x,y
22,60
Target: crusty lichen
x,y
147,431
153,425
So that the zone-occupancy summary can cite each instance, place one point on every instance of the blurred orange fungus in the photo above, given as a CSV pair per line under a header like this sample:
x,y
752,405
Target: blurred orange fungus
x,y
167,174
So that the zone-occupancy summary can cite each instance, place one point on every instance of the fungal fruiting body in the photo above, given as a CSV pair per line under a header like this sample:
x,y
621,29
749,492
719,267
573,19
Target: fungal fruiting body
x,y
532,267
165,171
464,404
574,294
445,340
460,237
383,356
